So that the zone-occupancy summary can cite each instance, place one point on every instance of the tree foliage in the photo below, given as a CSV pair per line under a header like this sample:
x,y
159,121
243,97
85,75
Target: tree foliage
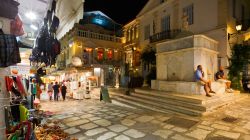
x,y
240,58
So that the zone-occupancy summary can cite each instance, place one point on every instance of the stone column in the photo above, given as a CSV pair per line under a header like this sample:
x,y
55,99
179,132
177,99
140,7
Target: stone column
x,y
3,101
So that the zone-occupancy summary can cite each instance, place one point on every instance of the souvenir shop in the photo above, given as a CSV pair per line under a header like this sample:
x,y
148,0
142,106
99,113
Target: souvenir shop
x,y
79,83
20,114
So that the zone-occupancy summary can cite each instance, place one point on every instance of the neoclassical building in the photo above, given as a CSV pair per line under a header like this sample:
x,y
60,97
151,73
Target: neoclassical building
x,y
132,49
163,20
93,45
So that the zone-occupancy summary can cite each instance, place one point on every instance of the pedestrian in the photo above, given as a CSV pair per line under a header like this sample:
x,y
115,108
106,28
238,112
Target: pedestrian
x,y
33,89
63,91
50,90
56,91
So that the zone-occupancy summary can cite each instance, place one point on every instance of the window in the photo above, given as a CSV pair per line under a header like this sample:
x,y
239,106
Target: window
x,y
189,11
146,32
165,23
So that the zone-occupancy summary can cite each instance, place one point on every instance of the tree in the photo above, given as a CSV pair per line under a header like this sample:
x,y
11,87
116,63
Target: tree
x,y
239,60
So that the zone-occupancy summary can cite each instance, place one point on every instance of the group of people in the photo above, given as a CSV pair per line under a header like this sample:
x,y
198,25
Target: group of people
x,y
219,76
56,89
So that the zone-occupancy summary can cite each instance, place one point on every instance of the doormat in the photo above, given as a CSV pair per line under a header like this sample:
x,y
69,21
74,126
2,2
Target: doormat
x,y
181,122
230,119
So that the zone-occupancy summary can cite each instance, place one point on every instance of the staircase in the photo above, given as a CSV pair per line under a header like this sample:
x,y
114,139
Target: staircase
x,y
166,102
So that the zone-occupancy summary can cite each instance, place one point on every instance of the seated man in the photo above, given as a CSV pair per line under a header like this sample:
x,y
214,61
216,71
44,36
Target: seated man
x,y
220,77
199,77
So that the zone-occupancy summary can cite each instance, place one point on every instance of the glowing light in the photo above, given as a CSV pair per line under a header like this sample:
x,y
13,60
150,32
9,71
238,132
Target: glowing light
x,y
33,27
31,15
239,27
98,21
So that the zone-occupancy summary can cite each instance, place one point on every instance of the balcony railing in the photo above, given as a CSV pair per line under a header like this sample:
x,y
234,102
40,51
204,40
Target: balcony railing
x,y
98,36
170,34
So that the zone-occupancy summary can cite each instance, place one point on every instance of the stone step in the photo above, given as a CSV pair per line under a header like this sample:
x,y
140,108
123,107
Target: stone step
x,y
172,108
139,105
167,95
224,101
169,101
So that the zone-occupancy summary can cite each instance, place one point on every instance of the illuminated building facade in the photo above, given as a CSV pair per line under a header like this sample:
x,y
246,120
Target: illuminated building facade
x,y
94,43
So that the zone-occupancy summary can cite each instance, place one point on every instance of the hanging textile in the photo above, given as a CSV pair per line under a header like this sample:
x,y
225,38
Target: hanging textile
x,y
16,27
20,85
9,51
9,83
24,113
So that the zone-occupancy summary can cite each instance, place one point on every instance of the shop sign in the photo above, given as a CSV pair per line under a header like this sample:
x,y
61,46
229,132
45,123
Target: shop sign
x,y
76,61
20,70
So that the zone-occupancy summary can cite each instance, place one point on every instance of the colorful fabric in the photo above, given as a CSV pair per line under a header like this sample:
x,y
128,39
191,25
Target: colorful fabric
x,y
9,51
24,113
16,27
20,85
9,82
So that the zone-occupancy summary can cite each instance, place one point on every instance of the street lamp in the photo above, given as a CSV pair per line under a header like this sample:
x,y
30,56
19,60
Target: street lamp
x,y
238,27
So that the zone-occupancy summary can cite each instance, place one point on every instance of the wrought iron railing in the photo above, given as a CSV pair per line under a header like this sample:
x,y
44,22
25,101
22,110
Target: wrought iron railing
x,y
169,34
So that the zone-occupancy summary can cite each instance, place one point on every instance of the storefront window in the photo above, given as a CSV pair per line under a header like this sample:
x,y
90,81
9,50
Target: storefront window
x,y
110,54
100,54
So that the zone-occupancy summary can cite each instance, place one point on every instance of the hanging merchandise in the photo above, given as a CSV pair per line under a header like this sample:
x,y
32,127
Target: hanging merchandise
x,y
8,8
53,7
56,47
9,51
16,27
47,47
55,24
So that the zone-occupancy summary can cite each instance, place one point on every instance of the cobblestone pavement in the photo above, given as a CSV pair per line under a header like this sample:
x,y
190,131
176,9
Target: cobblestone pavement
x,y
92,119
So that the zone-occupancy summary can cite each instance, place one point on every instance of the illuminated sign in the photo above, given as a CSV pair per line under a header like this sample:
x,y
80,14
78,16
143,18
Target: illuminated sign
x,y
98,21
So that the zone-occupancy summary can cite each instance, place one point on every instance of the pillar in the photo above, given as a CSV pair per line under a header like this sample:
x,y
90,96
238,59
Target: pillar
x,y
4,100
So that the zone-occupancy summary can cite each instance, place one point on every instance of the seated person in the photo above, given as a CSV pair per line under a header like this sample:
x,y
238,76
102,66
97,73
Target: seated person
x,y
199,77
220,77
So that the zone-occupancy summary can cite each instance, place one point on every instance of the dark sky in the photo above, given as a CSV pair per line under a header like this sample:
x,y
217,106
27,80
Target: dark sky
x,y
121,11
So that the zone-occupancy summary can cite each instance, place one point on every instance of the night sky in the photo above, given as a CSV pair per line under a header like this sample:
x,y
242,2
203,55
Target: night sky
x,y
121,11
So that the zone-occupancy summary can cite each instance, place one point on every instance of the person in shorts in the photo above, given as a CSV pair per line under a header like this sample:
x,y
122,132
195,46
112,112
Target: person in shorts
x,y
199,77
220,77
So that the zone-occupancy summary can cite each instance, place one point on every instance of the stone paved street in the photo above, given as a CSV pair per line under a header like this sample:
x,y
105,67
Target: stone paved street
x,y
91,119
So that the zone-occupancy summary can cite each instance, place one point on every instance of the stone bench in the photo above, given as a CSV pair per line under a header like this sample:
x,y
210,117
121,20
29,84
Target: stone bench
x,y
186,87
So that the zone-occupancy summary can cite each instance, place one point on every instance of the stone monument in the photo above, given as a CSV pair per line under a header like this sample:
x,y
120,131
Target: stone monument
x,y
176,62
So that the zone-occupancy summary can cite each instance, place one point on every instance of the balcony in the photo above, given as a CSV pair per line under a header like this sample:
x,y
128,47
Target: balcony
x,y
88,34
170,34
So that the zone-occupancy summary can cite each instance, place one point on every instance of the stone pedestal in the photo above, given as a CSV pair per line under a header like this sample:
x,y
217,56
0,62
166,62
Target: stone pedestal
x,y
177,60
